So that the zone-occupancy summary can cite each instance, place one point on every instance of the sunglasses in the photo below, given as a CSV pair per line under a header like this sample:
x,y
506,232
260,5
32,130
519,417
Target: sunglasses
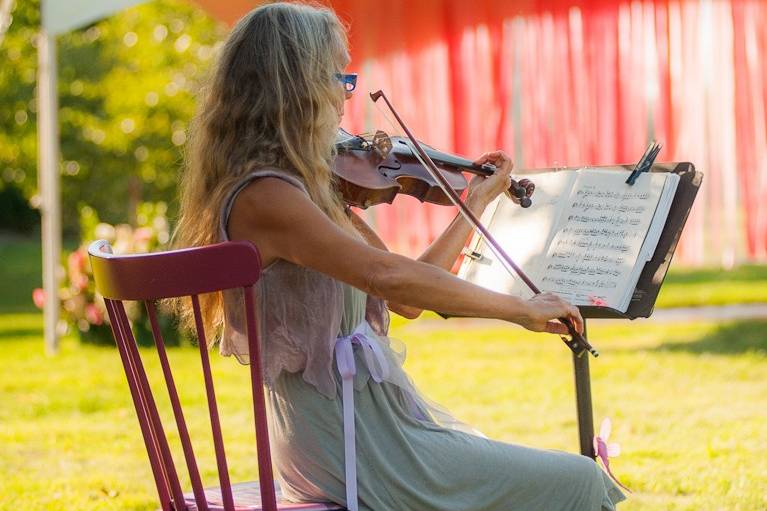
x,y
349,81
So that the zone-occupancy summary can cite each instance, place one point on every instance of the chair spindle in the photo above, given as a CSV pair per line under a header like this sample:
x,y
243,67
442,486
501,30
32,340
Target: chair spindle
x,y
178,414
215,424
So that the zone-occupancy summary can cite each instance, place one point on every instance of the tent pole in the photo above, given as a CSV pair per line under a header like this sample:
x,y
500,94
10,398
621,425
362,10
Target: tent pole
x,y
48,179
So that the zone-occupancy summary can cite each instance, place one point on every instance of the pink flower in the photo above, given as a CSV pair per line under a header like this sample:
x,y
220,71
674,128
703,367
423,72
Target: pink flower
x,y
80,281
142,234
38,296
76,262
93,314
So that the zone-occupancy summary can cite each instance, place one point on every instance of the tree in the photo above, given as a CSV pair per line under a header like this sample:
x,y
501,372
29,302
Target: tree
x,y
126,95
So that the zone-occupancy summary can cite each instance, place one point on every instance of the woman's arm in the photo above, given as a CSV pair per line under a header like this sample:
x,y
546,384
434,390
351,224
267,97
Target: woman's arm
x,y
373,239
442,252
284,223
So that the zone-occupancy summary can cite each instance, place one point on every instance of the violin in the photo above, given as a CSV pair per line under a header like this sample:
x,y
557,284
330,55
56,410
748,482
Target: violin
x,y
374,170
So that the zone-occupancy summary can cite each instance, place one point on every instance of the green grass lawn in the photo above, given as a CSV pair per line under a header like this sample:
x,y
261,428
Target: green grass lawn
x,y
688,404
687,400
713,286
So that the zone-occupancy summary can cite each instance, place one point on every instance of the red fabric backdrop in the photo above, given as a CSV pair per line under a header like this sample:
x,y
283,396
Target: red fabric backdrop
x,y
575,83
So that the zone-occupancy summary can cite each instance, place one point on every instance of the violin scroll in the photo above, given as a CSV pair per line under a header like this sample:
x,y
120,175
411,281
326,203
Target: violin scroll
x,y
520,192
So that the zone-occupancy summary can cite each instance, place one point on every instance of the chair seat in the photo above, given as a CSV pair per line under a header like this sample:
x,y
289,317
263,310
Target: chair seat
x,y
247,497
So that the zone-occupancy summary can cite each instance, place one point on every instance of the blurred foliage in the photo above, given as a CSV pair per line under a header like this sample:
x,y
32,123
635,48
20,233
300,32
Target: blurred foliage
x,y
82,308
126,95
15,212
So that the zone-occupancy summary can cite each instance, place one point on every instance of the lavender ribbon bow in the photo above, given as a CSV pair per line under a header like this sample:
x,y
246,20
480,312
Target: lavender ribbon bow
x,y
378,366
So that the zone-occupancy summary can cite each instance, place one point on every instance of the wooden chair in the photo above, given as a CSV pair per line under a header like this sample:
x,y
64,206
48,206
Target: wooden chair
x,y
181,273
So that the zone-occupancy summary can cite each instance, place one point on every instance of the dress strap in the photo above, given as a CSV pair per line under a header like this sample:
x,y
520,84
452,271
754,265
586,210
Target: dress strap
x,y
245,181
379,370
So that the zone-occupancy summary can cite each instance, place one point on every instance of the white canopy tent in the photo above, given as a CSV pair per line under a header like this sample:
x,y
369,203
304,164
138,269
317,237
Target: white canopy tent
x,y
58,16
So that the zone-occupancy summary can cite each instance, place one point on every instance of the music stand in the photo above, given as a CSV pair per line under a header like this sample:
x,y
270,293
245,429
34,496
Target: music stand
x,y
647,288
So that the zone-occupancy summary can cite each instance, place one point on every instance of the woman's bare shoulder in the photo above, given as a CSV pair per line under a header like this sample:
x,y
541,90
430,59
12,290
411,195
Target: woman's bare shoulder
x,y
265,196
266,205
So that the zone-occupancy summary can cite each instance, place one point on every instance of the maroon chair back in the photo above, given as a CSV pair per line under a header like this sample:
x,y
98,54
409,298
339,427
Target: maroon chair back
x,y
182,273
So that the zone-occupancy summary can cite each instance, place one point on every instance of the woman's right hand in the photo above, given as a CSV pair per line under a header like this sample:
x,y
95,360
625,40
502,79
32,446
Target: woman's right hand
x,y
543,310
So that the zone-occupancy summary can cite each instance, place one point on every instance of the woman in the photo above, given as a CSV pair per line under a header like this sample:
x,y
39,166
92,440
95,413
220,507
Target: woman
x,y
259,170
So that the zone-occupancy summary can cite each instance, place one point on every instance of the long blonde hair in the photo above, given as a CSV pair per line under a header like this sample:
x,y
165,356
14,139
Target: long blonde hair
x,y
272,100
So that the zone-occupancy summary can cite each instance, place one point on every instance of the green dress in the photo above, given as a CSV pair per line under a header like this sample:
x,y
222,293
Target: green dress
x,y
404,463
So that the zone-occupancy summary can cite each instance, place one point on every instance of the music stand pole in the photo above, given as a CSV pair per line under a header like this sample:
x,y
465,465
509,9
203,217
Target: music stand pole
x,y
583,401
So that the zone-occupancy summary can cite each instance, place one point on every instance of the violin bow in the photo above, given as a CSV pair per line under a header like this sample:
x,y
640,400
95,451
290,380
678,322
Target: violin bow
x,y
577,343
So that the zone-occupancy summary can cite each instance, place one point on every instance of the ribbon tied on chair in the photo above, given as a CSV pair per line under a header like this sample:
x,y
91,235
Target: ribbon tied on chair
x,y
378,366
605,451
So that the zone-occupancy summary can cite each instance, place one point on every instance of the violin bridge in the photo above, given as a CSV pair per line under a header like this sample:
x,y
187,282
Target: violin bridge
x,y
382,144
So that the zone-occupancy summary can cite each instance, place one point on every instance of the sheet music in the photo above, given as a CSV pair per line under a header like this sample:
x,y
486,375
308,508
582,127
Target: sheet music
x,y
599,237
586,237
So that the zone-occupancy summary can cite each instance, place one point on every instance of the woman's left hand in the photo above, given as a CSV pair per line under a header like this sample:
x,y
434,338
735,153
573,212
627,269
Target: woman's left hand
x,y
485,189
